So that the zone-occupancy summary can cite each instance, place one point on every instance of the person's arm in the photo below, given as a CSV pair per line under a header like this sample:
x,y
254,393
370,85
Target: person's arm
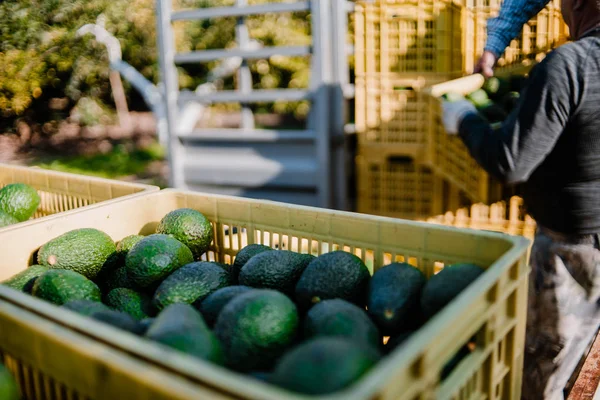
x,y
514,151
509,23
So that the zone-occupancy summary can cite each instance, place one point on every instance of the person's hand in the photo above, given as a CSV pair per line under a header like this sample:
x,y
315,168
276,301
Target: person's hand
x,y
453,114
485,65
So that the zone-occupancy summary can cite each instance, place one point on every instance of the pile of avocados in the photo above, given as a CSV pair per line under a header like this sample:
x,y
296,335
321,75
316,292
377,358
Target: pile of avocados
x,y
18,203
495,99
308,324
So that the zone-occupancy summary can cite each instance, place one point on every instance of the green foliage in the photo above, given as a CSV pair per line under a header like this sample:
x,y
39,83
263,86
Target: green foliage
x,y
122,162
41,57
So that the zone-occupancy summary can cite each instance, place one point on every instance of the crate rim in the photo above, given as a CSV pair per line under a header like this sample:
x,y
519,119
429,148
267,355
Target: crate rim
x,y
144,189
69,174
229,381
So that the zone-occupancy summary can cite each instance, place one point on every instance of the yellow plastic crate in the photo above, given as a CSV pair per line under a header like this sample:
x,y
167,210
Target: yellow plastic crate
x,y
393,38
60,192
401,187
61,355
392,115
501,216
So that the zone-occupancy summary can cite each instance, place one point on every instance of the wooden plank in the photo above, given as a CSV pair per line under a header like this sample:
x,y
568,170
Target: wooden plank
x,y
587,382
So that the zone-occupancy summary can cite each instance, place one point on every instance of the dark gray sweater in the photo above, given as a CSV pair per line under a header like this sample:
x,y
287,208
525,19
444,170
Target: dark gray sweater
x,y
551,141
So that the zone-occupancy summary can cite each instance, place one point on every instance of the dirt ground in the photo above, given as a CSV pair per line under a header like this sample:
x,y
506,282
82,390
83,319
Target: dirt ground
x,y
31,143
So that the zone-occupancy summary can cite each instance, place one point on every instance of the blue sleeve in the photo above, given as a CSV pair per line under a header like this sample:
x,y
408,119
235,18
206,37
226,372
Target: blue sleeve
x,y
509,23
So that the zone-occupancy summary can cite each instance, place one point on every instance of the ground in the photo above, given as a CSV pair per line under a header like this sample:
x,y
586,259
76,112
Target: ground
x,y
130,154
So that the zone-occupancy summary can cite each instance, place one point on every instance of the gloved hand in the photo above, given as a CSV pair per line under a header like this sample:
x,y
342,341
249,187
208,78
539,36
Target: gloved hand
x,y
454,112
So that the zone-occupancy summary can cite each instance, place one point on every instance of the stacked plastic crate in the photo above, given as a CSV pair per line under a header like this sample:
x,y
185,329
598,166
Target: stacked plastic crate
x,y
401,47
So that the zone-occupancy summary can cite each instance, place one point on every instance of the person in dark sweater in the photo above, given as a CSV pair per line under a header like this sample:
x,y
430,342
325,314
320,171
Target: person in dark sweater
x,y
551,144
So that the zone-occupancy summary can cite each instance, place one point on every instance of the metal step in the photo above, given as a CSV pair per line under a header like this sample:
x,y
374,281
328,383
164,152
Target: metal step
x,y
247,135
253,54
219,12
258,166
255,96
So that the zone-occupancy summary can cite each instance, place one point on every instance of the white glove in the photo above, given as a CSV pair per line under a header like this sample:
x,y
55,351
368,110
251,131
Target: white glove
x,y
453,114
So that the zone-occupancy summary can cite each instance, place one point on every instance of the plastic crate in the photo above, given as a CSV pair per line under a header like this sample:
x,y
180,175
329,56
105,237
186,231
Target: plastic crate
x,y
504,217
401,187
62,355
420,37
392,115
60,192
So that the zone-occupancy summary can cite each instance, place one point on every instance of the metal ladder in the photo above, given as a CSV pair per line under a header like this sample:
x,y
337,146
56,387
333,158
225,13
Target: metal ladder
x,y
297,166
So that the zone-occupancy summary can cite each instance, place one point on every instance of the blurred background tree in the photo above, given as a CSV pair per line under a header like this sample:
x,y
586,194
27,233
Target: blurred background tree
x,y
46,71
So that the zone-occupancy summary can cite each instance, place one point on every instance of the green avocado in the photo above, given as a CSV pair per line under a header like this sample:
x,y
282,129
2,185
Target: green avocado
x,y
336,274
154,258
256,328
190,227
59,286
181,327
323,366
393,297
275,269
82,250
192,283
19,200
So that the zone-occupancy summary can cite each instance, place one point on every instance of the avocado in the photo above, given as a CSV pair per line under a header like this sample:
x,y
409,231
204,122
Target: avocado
x,y
119,320
28,286
181,327
261,376
20,280
8,386
255,328
510,101
85,307
19,200
190,227
211,306
146,323
340,318
115,279
82,250
447,284
323,365
479,98
117,259
191,283
454,361
59,286
242,258
138,305
493,113
127,243
393,297
496,87
275,269
7,219
154,258
452,97
396,341
336,274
